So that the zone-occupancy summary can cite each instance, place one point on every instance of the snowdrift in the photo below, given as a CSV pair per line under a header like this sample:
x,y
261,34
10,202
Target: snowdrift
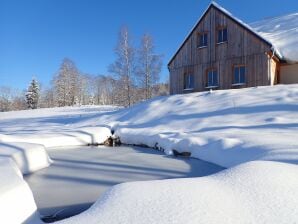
x,y
226,127
28,157
254,192
16,199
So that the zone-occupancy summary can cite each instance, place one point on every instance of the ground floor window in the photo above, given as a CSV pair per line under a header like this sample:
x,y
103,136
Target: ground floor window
x,y
212,78
239,74
188,81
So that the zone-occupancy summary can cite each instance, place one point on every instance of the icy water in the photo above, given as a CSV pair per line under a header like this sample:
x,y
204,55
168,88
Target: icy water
x,y
79,175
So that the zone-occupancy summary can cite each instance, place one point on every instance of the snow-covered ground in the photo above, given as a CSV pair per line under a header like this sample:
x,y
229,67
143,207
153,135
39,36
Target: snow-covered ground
x,y
254,192
227,127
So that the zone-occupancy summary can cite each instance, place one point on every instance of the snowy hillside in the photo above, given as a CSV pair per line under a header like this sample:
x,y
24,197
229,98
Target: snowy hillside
x,y
226,127
282,32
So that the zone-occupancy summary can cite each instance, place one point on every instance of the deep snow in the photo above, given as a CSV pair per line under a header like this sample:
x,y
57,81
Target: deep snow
x,y
227,127
254,192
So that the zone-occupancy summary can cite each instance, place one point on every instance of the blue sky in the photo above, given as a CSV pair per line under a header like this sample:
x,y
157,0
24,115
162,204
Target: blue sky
x,y
35,35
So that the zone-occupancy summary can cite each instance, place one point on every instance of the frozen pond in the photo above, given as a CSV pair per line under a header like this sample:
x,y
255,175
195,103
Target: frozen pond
x,y
79,175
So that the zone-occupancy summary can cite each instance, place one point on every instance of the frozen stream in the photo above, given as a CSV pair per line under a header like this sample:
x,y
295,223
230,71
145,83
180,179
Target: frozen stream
x,y
79,175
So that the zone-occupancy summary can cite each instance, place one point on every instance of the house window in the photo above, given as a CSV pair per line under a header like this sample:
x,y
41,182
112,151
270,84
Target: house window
x,y
203,40
188,81
212,78
222,35
239,74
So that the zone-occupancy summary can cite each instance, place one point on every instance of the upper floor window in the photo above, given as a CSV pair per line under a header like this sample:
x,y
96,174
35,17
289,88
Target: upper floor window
x,y
212,78
239,74
222,35
203,39
188,81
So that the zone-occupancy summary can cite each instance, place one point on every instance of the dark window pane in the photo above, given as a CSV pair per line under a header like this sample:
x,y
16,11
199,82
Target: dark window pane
x,y
242,74
205,39
185,81
191,81
236,75
225,35
215,78
210,78
219,36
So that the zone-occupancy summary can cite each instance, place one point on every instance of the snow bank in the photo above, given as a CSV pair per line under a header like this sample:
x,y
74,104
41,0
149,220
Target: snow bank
x,y
28,157
226,127
282,32
66,137
16,200
68,126
255,192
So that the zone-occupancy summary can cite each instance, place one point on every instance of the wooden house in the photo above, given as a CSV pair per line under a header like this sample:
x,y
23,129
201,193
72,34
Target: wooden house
x,y
222,52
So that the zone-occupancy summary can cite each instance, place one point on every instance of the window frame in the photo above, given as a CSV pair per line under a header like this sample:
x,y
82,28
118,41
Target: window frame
x,y
190,82
205,39
207,78
221,29
239,83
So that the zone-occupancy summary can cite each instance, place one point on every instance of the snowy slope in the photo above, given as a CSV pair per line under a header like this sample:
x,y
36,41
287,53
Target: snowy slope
x,y
225,127
282,32
255,192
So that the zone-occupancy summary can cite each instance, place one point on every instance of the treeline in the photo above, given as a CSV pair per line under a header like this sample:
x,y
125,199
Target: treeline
x,y
134,77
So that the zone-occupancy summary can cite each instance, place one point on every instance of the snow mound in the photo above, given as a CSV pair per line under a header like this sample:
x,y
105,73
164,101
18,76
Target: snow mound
x,y
254,192
28,157
282,32
17,204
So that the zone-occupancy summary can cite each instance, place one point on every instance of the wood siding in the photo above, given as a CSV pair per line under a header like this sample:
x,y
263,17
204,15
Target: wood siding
x,y
242,47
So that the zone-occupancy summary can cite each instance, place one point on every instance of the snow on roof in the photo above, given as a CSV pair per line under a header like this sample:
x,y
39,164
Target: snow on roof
x,y
282,31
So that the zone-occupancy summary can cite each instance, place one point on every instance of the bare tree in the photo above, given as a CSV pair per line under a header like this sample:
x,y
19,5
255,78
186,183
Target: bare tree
x,y
123,67
66,84
149,66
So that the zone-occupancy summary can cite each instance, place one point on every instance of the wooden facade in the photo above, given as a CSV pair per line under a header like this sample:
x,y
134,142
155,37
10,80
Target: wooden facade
x,y
243,47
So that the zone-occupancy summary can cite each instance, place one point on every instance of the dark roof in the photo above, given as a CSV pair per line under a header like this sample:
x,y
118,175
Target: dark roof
x,y
230,16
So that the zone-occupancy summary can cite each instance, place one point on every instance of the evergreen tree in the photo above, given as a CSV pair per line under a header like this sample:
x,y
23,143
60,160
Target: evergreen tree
x,y
32,94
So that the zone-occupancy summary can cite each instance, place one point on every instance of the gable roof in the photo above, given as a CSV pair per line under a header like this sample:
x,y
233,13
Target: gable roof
x,y
235,19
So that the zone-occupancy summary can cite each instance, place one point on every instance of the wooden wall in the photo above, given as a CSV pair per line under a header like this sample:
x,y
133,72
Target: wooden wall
x,y
242,48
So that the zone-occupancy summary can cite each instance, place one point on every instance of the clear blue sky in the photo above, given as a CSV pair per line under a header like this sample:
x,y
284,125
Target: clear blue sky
x,y
35,35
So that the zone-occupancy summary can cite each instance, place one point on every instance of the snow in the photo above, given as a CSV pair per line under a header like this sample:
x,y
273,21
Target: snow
x,y
16,200
55,127
282,31
226,127
254,192
28,157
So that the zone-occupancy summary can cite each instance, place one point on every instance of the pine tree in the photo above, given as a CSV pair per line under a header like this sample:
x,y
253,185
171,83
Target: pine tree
x,y
32,94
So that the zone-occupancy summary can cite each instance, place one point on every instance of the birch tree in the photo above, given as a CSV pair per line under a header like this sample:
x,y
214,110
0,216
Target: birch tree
x,y
66,84
149,66
123,67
